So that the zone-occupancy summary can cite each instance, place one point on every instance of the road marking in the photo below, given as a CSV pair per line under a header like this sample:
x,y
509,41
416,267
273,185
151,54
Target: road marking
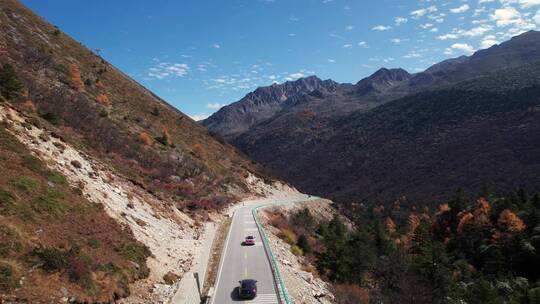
x,y
245,255
245,271
269,298
251,229
249,222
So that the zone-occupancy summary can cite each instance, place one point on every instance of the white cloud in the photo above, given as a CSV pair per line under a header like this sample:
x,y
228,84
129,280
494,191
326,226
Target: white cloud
x,y
199,117
381,28
488,41
473,32
412,54
216,46
349,27
528,3
536,17
423,11
331,60
400,20
461,47
294,76
362,44
347,46
395,40
165,69
461,9
214,105
506,16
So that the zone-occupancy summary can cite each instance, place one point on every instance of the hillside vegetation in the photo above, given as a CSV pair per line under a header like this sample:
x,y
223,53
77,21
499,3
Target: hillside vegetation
x,y
102,111
54,243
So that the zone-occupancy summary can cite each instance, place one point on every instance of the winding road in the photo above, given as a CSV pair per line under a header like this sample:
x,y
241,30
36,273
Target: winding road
x,y
247,262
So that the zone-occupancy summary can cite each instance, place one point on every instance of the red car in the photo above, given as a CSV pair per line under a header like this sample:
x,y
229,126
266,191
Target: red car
x,y
250,240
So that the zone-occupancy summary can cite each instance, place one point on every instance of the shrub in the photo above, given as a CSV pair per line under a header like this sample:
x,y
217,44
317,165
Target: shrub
x,y
50,117
75,77
8,281
29,105
145,139
170,278
303,243
94,243
165,138
52,259
103,99
31,162
9,83
52,203
198,150
55,177
297,250
9,241
76,164
25,183
351,294
288,236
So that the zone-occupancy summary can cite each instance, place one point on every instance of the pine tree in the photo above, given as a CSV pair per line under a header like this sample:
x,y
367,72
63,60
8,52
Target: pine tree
x,y
9,83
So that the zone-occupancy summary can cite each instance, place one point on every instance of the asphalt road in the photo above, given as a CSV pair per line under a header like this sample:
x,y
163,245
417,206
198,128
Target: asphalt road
x,y
244,262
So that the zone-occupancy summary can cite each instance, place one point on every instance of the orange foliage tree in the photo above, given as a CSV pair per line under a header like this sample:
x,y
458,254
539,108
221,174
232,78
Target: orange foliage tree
x,y
510,221
390,225
412,222
443,208
465,220
75,77
103,99
145,139
166,137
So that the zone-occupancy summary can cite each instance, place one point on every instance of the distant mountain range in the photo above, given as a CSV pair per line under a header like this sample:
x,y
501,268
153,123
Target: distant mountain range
x,y
462,123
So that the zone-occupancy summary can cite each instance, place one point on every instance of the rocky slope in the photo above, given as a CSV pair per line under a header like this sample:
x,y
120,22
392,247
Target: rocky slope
x,y
317,142
263,103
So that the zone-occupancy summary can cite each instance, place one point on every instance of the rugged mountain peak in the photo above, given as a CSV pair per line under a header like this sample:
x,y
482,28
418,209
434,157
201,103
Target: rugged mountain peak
x,y
261,104
382,80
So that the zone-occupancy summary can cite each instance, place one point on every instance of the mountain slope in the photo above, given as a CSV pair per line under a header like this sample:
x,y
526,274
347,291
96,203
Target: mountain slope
x,y
310,133
101,110
482,133
105,187
259,105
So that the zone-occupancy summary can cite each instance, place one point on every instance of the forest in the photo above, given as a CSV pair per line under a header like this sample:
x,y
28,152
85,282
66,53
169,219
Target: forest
x,y
469,250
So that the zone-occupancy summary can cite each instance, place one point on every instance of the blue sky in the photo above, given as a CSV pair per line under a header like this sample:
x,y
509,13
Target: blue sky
x,y
202,54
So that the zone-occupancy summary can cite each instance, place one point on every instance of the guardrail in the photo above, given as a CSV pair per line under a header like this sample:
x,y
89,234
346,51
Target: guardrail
x,y
278,279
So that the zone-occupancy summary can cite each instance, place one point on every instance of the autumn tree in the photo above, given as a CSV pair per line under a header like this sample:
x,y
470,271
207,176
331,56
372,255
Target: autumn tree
x,y
9,82
390,225
165,138
510,221
75,77
103,99
145,139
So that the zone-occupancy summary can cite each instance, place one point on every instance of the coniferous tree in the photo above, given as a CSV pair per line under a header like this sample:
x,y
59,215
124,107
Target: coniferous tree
x,y
9,83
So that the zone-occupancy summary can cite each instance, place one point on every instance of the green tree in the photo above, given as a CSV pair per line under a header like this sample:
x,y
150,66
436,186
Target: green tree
x,y
9,83
303,243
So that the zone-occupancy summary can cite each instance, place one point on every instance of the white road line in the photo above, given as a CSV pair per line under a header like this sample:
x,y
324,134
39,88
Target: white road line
x,y
251,229
249,222
264,299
